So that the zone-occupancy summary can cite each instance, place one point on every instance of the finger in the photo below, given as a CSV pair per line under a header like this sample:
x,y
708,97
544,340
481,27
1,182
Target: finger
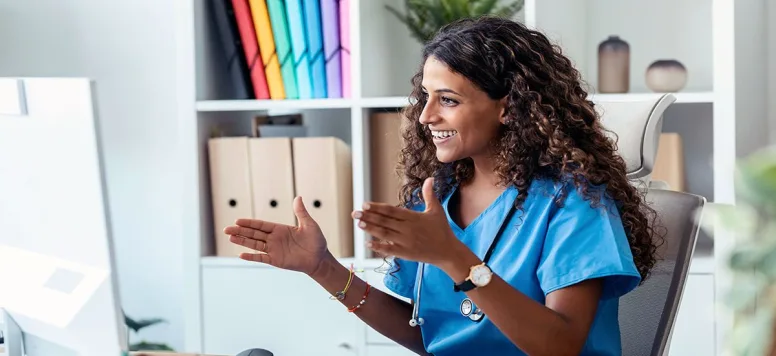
x,y
379,232
391,211
378,219
256,257
382,247
261,225
246,232
257,245
429,198
302,214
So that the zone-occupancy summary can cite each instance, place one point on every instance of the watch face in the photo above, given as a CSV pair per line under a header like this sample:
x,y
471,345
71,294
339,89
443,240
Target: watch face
x,y
481,276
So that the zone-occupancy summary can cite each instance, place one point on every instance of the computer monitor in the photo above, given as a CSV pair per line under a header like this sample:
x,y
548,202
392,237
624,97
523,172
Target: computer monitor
x,y
58,287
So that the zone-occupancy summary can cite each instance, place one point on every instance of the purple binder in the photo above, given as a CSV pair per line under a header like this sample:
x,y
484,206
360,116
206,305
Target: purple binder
x,y
331,47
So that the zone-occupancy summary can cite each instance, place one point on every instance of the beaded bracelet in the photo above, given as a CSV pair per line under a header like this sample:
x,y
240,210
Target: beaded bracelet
x,y
363,299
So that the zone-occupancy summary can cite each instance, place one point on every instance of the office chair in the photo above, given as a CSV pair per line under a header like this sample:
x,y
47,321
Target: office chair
x,y
647,314
636,125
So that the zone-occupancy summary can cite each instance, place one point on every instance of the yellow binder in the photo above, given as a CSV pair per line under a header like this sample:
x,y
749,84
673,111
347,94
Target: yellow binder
x,y
267,48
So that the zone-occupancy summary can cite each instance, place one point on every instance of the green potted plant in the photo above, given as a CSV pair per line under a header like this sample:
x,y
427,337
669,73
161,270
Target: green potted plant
x,y
752,260
136,326
425,17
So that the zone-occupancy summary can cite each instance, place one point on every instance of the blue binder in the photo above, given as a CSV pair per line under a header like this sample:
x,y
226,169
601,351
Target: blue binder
x,y
296,24
312,14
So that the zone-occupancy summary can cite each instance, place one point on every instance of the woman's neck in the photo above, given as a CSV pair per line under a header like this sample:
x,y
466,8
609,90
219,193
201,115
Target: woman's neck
x,y
485,176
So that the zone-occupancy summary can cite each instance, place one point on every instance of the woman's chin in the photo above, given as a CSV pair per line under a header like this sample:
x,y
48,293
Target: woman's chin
x,y
446,157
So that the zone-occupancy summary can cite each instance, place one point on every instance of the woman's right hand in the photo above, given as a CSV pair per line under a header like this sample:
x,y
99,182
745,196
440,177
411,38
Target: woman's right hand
x,y
299,248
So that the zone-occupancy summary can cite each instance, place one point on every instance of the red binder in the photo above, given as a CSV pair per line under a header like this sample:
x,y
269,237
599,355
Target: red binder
x,y
250,45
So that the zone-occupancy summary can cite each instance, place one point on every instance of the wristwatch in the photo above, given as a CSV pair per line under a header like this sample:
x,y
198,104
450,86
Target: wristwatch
x,y
479,276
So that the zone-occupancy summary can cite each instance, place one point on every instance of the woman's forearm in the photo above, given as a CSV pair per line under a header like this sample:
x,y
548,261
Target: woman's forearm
x,y
384,313
533,327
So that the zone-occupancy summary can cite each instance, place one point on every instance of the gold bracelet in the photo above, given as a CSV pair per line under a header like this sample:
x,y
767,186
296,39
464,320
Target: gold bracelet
x,y
341,294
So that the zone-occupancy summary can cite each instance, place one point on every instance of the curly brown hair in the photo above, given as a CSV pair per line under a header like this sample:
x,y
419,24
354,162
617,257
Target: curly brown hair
x,y
552,130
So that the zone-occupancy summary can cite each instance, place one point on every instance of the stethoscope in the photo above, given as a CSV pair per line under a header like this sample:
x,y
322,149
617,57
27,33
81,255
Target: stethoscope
x,y
467,307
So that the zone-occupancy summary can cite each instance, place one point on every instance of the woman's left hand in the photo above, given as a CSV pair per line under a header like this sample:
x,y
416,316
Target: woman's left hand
x,y
411,235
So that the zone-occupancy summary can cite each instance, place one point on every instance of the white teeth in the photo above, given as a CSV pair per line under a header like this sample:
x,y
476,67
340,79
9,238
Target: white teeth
x,y
444,134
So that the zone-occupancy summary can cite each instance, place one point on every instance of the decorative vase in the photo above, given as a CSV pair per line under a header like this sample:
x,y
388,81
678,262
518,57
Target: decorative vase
x,y
613,65
666,76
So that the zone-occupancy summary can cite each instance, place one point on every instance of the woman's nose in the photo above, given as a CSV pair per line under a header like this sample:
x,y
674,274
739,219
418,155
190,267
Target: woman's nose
x,y
428,116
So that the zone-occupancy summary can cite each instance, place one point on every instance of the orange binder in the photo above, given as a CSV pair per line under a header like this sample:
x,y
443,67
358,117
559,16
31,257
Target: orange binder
x,y
267,47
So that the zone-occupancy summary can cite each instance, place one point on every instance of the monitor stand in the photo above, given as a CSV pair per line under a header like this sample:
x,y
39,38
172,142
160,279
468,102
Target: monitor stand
x,y
18,343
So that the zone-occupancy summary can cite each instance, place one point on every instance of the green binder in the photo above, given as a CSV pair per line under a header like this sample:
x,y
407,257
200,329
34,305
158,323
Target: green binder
x,y
277,15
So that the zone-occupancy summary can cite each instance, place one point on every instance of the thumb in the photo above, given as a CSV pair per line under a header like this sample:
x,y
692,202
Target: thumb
x,y
432,203
301,213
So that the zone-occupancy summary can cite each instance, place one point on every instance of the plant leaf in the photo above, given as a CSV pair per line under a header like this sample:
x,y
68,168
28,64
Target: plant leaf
x,y
483,8
136,325
424,18
509,11
753,336
149,346
745,291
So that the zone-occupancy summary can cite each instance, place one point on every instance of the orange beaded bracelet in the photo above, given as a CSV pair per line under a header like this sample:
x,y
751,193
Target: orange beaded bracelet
x,y
363,299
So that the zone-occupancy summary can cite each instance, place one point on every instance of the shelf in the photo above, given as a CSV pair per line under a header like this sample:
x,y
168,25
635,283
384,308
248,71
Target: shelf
x,y
258,105
397,102
384,102
681,97
684,33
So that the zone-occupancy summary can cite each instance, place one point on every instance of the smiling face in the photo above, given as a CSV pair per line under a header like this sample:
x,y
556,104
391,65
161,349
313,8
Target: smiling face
x,y
462,119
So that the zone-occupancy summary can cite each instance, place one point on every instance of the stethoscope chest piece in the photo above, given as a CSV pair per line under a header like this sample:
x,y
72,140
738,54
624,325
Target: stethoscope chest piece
x,y
469,310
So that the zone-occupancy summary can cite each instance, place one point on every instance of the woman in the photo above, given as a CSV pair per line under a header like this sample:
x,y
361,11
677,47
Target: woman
x,y
514,200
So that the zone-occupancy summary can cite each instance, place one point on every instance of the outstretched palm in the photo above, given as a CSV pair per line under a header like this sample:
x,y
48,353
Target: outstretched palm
x,y
299,248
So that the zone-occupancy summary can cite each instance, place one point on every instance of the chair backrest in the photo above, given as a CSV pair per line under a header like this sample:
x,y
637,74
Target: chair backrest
x,y
648,314
637,123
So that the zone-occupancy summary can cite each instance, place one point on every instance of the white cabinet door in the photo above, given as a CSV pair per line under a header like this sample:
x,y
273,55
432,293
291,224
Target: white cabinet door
x,y
693,332
373,337
387,350
284,312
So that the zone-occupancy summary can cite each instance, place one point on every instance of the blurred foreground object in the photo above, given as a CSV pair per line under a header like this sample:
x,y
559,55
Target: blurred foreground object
x,y
752,262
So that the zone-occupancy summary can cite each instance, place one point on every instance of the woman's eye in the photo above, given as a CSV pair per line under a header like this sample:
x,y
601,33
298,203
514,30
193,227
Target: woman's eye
x,y
448,102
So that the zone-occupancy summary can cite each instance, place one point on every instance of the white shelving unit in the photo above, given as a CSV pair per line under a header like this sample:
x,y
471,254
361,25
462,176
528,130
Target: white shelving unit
x,y
233,305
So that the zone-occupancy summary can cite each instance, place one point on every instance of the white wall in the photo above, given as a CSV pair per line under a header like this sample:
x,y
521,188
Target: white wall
x,y
128,47
771,38
751,68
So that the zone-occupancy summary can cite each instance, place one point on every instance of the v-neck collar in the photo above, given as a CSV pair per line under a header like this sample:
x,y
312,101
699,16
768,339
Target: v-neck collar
x,y
496,204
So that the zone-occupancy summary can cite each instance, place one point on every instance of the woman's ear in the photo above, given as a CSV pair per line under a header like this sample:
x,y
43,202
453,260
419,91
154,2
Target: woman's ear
x,y
503,110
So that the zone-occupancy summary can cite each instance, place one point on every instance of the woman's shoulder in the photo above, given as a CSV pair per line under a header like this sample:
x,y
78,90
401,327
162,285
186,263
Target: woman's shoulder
x,y
566,188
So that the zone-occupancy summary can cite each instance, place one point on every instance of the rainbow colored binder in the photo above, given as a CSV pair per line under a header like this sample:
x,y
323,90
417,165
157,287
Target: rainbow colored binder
x,y
277,15
331,48
267,48
296,22
344,12
312,16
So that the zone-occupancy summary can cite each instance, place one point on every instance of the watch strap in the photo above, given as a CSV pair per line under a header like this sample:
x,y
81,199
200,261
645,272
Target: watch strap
x,y
464,286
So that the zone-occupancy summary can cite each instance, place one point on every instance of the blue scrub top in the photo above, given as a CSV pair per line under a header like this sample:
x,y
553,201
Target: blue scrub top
x,y
544,247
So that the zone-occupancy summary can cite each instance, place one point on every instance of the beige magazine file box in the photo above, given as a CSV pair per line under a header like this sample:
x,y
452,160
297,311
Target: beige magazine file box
x,y
249,178
323,177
